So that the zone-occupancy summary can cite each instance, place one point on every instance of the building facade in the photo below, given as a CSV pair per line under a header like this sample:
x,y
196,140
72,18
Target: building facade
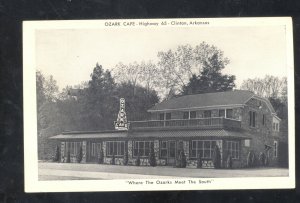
x,y
237,122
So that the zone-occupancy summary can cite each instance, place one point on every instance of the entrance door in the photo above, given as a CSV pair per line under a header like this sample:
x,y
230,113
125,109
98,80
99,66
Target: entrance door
x,y
171,152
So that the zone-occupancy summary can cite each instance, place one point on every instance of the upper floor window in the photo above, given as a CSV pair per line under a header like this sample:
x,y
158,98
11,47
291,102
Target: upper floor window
x,y
186,115
162,116
207,114
264,119
192,114
275,126
229,113
222,113
252,116
168,116
189,114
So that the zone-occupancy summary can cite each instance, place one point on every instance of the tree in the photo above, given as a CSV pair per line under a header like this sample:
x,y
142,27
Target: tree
x,y
125,158
269,86
152,160
138,160
97,100
113,160
181,161
143,74
68,157
216,157
57,154
136,104
100,156
178,66
79,155
199,161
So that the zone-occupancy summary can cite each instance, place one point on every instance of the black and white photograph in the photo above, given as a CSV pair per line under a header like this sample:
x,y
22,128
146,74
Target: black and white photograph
x,y
158,104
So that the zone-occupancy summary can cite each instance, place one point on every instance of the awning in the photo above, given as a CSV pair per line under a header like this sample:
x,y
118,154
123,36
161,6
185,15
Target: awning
x,y
191,133
96,135
217,133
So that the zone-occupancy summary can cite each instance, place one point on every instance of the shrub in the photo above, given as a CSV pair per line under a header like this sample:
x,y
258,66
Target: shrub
x,y
100,156
152,160
250,159
113,161
181,161
138,161
79,155
262,159
199,161
229,162
216,157
56,154
68,157
125,158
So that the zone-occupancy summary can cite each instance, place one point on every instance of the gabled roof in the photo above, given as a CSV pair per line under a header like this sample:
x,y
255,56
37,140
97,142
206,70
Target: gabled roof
x,y
229,98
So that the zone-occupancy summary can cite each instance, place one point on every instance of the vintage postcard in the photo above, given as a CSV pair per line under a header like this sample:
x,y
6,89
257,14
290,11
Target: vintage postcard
x,y
158,104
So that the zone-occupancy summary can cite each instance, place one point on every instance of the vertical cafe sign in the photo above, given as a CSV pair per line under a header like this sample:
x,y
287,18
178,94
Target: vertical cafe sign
x,y
121,123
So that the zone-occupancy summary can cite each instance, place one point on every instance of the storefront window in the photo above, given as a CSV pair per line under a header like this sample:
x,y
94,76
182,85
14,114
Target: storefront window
x,y
233,149
116,148
142,148
202,148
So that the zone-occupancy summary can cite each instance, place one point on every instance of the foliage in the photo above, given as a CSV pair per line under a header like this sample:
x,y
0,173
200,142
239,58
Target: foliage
x,y
152,160
79,155
269,86
125,158
68,157
251,159
138,161
199,161
181,161
178,66
262,159
229,162
100,156
138,100
144,74
216,157
113,161
56,156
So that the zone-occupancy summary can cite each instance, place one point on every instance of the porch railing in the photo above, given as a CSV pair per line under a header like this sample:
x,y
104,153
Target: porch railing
x,y
215,122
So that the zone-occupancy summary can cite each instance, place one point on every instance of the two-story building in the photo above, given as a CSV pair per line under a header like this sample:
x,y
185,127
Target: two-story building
x,y
236,121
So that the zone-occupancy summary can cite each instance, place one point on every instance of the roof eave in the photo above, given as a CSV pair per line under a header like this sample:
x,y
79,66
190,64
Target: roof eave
x,y
197,108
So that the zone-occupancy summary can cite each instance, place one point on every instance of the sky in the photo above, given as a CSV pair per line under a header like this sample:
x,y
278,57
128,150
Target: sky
x,y
71,54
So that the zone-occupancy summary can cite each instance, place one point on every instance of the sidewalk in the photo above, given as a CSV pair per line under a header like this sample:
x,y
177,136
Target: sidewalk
x,y
59,171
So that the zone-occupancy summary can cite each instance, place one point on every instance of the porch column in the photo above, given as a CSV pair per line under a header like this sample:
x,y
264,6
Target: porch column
x,y
62,151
